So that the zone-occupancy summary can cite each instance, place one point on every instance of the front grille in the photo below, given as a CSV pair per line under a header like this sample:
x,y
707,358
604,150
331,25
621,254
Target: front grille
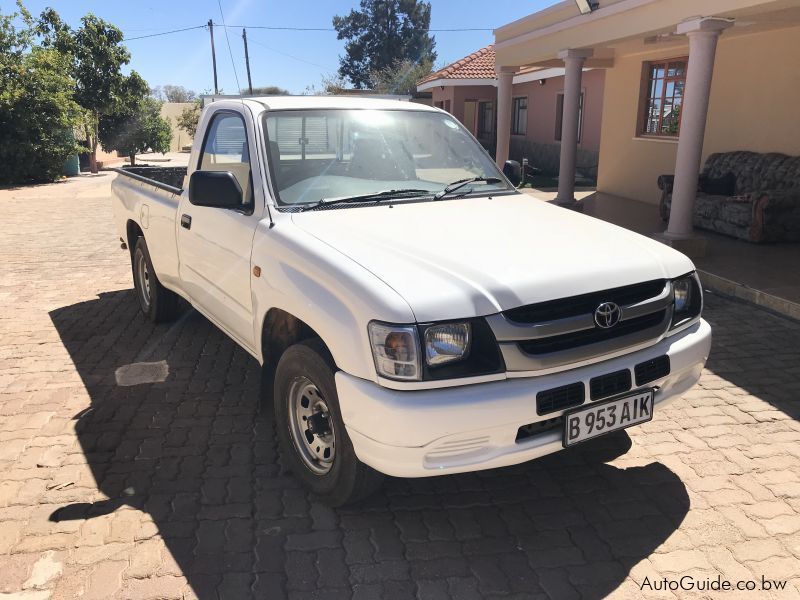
x,y
609,385
652,369
590,336
560,333
559,398
585,303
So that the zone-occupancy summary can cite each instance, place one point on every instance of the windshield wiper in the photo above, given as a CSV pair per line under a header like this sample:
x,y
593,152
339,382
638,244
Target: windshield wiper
x,y
459,183
375,197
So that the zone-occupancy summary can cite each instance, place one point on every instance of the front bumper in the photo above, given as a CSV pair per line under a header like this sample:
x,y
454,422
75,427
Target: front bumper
x,y
473,427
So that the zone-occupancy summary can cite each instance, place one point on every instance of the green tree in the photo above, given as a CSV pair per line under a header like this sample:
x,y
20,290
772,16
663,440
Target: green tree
x,y
134,124
268,90
381,34
37,111
189,118
97,56
400,78
173,93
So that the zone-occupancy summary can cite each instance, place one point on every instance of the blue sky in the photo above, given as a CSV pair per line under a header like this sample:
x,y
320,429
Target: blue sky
x,y
290,59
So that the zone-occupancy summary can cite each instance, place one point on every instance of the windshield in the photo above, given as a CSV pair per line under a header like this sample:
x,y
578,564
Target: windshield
x,y
328,154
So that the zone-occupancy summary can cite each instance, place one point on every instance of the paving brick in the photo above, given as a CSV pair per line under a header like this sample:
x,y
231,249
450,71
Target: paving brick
x,y
679,561
783,524
176,488
758,550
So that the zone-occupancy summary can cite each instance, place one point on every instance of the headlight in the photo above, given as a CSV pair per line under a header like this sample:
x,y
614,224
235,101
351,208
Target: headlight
x,y
688,299
446,343
395,349
450,350
682,289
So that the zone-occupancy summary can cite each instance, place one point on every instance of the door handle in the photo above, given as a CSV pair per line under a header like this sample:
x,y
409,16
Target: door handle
x,y
186,221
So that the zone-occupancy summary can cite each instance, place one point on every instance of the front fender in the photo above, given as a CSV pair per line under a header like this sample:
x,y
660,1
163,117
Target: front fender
x,y
327,290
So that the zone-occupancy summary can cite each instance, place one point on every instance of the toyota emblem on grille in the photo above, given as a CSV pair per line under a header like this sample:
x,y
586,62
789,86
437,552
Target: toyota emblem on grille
x,y
607,315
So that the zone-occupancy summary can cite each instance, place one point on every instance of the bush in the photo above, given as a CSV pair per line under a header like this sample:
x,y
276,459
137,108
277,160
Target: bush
x,y
37,116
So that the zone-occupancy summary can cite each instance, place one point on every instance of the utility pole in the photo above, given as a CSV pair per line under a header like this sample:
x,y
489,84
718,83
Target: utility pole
x,y
247,61
213,55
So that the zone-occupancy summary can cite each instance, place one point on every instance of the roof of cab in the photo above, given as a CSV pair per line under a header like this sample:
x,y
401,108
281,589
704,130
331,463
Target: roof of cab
x,y
315,102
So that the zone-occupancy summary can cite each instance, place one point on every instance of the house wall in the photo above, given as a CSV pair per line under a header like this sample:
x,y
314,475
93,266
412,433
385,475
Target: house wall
x,y
753,106
171,111
539,144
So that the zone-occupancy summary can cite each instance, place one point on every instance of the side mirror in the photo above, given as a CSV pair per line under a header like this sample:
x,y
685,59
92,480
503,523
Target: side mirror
x,y
218,189
513,171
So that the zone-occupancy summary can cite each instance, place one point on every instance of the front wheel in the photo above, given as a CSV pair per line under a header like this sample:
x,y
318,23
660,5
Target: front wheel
x,y
311,433
157,302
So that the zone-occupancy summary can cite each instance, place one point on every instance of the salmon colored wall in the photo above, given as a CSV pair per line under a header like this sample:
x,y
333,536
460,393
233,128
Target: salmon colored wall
x,y
542,108
541,105
753,106
458,94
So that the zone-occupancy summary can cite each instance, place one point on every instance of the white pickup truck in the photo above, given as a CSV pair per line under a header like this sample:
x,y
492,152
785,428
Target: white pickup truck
x,y
414,314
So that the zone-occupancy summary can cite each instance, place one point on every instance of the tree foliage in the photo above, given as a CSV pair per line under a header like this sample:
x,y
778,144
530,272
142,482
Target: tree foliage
x,y
400,78
96,56
330,85
173,93
189,118
54,79
381,34
267,90
37,110
136,124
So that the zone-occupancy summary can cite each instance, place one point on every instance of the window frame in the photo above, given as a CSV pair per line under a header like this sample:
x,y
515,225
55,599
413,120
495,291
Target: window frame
x,y
249,207
558,132
515,121
645,99
484,134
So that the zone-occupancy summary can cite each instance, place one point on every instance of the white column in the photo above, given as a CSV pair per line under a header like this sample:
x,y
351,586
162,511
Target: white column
x,y
703,34
505,83
573,64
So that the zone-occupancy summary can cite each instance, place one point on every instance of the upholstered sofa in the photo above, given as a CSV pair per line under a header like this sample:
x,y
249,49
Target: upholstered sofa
x,y
751,196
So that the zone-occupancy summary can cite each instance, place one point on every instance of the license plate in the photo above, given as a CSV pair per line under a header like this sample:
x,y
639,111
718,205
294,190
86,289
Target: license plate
x,y
597,419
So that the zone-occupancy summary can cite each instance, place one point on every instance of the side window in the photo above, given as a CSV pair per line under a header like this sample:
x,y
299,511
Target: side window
x,y
225,149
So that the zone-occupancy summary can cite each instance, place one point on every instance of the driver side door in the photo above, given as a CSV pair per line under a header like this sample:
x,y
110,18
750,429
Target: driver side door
x,y
215,244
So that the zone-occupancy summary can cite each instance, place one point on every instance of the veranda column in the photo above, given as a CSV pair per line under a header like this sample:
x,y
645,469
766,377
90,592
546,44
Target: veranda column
x,y
703,34
505,81
573,65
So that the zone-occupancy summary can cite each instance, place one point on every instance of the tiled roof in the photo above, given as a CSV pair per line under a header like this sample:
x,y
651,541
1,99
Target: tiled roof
x,y
478,65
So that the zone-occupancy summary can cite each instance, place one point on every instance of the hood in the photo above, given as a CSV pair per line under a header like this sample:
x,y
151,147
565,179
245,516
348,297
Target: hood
x,y
479,256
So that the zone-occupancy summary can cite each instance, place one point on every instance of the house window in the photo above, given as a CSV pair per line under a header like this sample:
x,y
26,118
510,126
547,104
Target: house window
x,y
485,119
661,112
447,105
519,116
560,116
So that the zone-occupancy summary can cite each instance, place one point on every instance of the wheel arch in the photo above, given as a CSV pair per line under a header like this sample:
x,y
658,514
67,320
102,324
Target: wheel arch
x,y
132,231
281,329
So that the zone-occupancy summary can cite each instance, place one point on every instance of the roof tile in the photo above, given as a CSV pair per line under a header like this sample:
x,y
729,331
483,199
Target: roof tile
x,y
478,65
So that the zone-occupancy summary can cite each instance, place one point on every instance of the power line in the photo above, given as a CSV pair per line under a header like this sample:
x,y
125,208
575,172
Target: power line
x,y
288,55
228,42
141,37
280,28
274,28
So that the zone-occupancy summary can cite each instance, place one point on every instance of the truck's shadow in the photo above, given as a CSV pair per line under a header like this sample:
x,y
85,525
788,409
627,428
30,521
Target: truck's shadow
x,y
191,448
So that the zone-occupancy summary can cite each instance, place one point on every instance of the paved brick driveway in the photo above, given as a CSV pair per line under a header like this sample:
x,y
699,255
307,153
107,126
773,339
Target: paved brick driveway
x,y
174,489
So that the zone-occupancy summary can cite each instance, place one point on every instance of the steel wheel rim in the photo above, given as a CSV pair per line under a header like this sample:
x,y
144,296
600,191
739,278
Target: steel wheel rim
x,y
316,450
143,276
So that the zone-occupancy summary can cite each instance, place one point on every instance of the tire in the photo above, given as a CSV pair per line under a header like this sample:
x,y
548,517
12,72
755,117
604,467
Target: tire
x,y
305,372
159,304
